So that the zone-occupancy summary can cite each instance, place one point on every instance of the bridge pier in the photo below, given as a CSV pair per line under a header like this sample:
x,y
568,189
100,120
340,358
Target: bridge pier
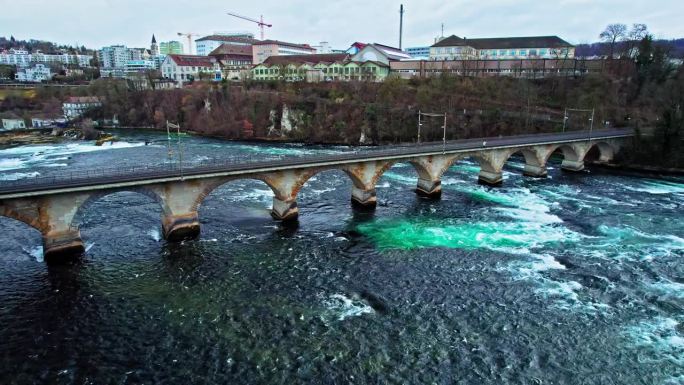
x,y
364,198
181,227
431,189
59,246
284,210
535,171
490,178
572,165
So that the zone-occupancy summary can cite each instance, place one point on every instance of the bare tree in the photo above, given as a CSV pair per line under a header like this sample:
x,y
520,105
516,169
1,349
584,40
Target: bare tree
x,y
612,34
632,39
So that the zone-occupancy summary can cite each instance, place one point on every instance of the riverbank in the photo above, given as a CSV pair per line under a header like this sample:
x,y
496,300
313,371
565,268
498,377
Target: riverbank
x,y
49,136
8,139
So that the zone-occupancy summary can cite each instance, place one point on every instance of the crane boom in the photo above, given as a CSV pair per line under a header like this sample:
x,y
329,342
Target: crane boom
x,y
189,36
259,22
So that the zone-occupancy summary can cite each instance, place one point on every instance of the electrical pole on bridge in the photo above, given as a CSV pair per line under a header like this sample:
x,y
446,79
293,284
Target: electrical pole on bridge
x,y
433,115
180,147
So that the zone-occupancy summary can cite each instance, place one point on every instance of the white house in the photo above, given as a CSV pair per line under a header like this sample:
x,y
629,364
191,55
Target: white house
x,y
13,124
76,106
183,68
36,74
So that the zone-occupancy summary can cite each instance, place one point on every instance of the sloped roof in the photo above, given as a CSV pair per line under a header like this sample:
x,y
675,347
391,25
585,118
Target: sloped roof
x,y
505,42
232,49
228,39
359,45
192,60
278,42
392,53
301,59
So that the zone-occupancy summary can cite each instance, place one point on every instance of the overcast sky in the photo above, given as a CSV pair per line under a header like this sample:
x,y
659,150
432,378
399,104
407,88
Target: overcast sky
x,y
95,23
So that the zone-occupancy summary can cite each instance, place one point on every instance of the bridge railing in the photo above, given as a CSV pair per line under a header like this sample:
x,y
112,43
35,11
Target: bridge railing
x,y
95,176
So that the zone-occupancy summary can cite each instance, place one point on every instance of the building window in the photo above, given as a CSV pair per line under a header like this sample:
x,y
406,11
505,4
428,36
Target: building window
x,y
543,52
523,52
533,52
511,52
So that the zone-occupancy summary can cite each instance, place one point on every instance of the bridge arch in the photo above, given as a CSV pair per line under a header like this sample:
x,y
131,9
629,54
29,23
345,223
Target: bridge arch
x,y
535,163
606,152
573,155
77,218
30,220
569,152
211,186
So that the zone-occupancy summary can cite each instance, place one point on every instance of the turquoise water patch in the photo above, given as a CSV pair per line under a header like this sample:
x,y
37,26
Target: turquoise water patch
x,y
422,232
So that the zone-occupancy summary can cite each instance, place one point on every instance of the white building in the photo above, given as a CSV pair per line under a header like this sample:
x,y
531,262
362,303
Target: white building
x,y
76,106
113,57
422,53
36,74
183,68
46,122
118,61
323,47
13,124
533,47
264,49
205,45
136,66
22,58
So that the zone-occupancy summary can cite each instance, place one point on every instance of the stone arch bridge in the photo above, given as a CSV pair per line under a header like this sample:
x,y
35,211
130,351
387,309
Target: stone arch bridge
x,y
53,206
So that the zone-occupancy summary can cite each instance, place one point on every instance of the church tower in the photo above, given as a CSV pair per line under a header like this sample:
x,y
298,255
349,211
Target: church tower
x,y
154,48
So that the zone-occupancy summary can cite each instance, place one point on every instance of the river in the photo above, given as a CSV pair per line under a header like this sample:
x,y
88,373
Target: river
x,y
573,279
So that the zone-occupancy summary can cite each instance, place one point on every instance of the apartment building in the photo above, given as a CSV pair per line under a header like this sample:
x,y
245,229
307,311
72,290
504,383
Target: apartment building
x,y
23,58
172,47
35,74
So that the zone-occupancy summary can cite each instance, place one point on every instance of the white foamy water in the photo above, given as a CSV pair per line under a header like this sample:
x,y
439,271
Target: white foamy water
x,y
659,339
11,164
154,234
19,175
341,307
36,253
657,187
23,157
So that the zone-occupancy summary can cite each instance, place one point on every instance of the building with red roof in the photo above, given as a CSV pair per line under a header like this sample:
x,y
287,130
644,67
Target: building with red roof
x,y
186,68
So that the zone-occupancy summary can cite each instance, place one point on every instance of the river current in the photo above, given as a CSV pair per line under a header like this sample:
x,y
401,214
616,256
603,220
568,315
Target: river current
x,y
573,279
